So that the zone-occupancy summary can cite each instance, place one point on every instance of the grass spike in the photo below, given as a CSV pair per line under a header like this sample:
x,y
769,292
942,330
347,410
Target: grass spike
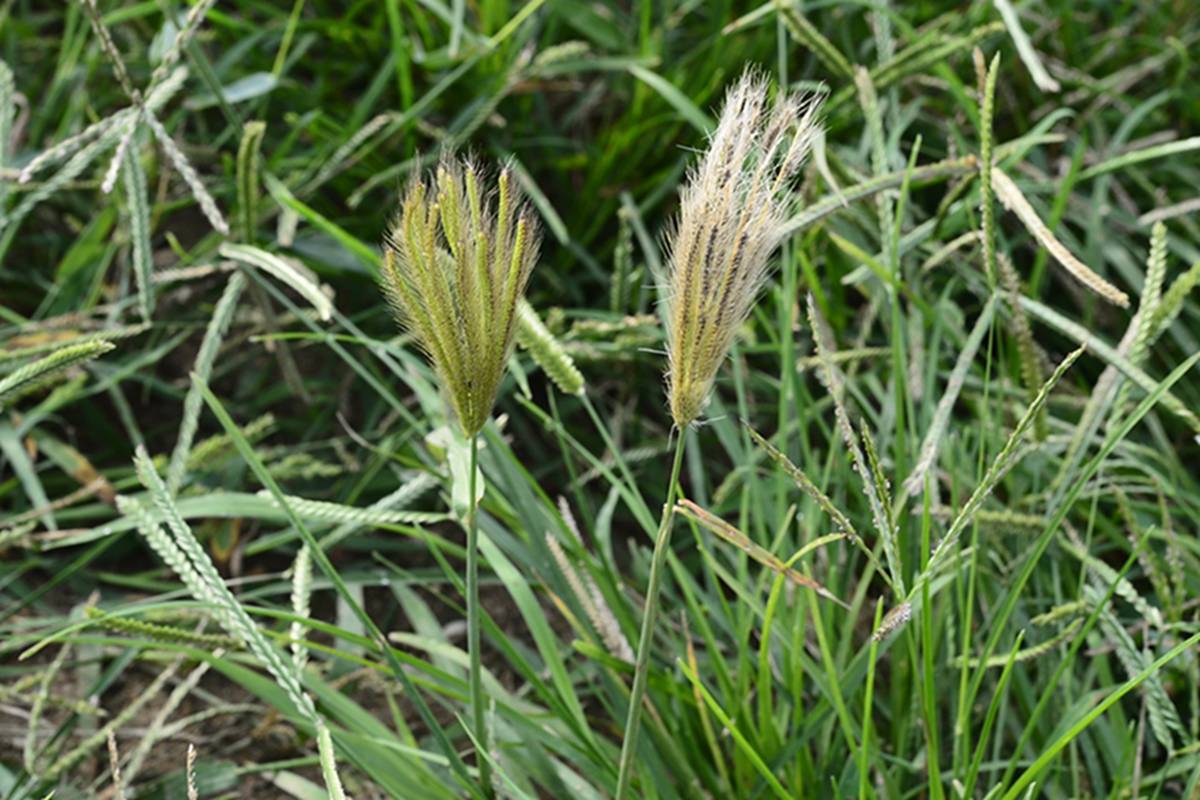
x,y
214,335
137,200
732,215
29,376
186,171
247,178
733,536
1027,350
1172,302
547,351
301,605
987,210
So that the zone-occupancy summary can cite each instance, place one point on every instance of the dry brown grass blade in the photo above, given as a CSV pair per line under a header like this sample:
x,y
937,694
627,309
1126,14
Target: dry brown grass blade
x,y
741,541
1014,200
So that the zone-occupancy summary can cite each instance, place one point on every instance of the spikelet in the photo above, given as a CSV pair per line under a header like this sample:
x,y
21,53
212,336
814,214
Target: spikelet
x,y
732,217
1172,301
193,791
893,621
114,767
1026,653
455,264
547,351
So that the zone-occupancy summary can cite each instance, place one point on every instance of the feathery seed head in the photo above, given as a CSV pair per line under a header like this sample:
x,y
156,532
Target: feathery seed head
x,y
455,264
732,215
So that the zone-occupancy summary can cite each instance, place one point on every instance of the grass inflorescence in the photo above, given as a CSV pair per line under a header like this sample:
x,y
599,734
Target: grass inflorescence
x,y
732,215
455,265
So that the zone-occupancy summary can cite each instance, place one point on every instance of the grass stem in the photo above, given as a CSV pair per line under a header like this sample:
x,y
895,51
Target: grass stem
x,y
642,666
478,721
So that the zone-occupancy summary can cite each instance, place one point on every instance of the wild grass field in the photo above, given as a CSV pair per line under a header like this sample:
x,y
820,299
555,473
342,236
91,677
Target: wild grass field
x,y
929,532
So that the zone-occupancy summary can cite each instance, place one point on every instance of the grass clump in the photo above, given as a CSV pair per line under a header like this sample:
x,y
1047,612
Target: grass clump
x,y
925,455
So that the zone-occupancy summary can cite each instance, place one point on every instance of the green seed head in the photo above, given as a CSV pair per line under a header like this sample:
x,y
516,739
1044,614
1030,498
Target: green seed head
x,y
455,265
732,215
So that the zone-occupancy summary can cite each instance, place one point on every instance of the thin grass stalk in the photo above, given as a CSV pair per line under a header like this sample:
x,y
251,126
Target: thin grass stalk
x,y
475,685
642,666
30,751
156,730
70,760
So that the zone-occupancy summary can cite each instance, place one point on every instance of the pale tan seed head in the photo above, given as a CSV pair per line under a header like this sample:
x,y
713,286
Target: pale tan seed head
x,y
455,265
731,218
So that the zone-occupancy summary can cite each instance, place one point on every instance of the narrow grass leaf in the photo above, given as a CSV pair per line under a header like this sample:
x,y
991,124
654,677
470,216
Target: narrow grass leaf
x,y
1051,752
1029,56
733,536
941,415
807,35
675,98
1138,156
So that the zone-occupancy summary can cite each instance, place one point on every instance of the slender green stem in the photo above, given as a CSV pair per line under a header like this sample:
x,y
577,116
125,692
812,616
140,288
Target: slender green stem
x,y
661,542
476,671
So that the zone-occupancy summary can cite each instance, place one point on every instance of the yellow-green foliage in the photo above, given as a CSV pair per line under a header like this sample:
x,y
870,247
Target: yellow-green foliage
x,y
455,263
732,216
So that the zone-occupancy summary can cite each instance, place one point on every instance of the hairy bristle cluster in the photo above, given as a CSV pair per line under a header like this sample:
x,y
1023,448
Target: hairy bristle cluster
x,y
455,266
732,217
